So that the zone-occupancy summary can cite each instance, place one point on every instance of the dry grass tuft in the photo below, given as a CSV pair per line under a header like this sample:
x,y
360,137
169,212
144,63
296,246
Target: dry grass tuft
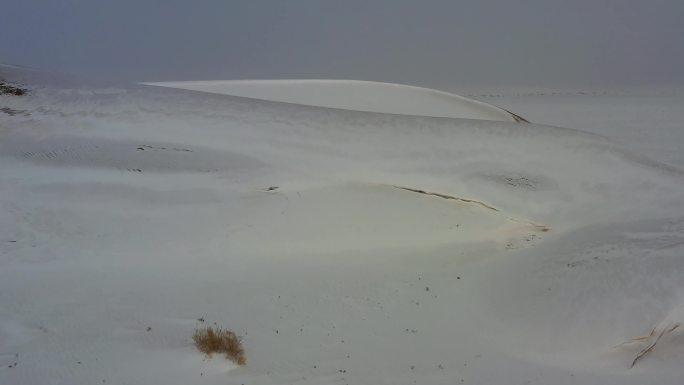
x,y
8,89
652,345
211,340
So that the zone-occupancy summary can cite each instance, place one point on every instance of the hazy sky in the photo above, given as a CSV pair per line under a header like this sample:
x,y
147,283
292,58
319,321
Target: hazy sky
x,y
421,42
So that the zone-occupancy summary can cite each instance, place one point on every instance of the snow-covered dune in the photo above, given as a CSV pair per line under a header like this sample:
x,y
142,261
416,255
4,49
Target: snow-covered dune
x,y
343,246
354,95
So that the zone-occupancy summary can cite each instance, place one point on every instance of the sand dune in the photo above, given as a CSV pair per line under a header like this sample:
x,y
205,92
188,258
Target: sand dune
x,y
354,95
343,246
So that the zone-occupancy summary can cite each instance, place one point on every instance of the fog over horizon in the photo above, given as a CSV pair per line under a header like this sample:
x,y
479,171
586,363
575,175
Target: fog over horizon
x,y
428,43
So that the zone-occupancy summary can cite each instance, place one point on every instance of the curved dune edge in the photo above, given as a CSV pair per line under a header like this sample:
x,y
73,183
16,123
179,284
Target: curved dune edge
x,y
537,227
362,216
356,95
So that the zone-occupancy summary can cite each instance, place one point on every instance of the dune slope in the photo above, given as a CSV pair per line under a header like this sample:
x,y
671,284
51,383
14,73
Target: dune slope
x,y
343,246
354,95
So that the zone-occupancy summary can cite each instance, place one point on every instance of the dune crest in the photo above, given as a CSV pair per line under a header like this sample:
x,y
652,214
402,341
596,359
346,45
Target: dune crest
x,y
356,95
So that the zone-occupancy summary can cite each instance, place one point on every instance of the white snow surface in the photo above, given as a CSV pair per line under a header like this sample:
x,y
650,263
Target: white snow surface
x,y
354,95
127,214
